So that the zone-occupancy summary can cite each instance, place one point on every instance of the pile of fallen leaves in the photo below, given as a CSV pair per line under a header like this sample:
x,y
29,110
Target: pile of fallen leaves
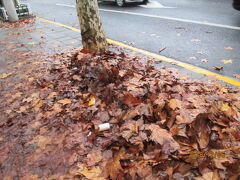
x,y
21,23
163,125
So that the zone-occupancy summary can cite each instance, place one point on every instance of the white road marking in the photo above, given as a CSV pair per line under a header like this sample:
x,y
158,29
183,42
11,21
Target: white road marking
x,y
154,4
66,5
165,17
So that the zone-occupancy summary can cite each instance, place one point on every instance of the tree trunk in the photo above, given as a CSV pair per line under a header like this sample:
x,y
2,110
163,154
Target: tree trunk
x,y
93,37
11,11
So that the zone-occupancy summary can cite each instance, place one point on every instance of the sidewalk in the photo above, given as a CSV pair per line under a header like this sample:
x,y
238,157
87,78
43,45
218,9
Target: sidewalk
x,y
24,54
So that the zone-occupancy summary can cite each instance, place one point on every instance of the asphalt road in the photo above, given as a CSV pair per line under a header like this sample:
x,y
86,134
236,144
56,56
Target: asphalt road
x,y
204,33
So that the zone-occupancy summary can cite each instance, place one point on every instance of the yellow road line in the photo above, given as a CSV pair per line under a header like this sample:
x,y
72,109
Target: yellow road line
x,y
162,58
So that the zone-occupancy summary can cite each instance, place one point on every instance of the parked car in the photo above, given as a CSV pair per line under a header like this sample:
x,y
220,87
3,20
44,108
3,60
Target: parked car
x,y
122,3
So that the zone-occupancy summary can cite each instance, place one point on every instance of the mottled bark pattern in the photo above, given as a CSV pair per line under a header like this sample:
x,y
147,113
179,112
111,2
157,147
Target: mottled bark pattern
x,y
93,37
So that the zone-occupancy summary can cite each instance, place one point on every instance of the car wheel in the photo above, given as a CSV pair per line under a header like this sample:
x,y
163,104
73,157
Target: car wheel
x,y
236,4
145,1
120,3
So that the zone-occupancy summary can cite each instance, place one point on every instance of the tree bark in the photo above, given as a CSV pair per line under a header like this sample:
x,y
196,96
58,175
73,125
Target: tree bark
x,y
11,10
93,37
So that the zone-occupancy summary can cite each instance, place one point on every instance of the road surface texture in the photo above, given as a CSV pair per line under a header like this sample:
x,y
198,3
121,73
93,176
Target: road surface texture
x,y
204,33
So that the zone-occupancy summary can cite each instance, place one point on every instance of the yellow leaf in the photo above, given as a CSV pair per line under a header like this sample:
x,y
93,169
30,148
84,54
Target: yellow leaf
x,y
65,101
5,75
227,61
91,101
228,48
225,107
94,173
224,90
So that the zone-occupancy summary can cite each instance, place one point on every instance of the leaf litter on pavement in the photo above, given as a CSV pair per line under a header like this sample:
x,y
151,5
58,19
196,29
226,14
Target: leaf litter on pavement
x,y
164,125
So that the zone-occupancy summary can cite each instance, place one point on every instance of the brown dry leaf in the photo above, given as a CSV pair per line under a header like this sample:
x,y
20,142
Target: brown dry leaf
x,y
30,177
73,158
130,100
202,129
193,58
8,111
163,137
33,96
94,157
209,176
7,178
30,79
129,129
22,109
200,52
113,167
218,68
204,60
183,77
42,141
94,173
77,78
174,104
132,113
65,101
218,163
5,75
57,107
37,104
196,40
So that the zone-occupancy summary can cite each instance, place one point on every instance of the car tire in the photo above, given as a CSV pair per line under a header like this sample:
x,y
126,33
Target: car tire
x,y
120,3
145,1
236,4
